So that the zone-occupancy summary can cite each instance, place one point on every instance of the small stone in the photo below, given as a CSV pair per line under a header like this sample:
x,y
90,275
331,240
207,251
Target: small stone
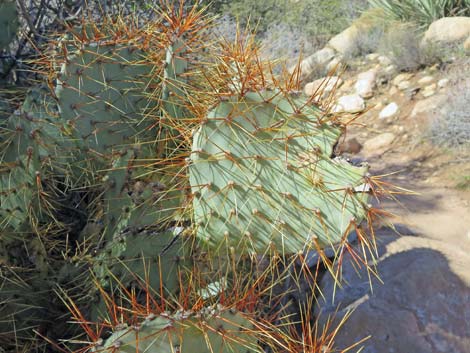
x,y
389,111
401,77
442,83
352,103
324,85
428,93
425,80
403,85
366,83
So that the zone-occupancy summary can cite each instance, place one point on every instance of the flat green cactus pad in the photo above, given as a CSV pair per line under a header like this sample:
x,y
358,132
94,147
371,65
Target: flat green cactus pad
x,y
101,96
262,175
151,258
28,142
217,330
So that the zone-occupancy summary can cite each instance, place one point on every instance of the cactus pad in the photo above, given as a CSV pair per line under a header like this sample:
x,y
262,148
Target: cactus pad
x,y
147,257
28,141
210,330
262,175
101,96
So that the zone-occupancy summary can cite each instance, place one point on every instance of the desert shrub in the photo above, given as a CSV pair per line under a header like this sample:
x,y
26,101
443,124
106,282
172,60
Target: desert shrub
x,y
422,12
282,41
451,124
312,17
372,24
401,43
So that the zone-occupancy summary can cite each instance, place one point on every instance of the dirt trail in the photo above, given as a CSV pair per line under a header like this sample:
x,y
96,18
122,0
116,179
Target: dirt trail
x,y
436,210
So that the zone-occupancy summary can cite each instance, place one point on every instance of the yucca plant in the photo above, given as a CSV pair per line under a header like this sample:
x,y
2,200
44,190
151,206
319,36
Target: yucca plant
x,y
422,12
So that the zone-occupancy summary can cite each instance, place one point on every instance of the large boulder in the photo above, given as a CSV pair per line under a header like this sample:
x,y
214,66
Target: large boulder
x,y
422,306
346,42
466,44
319,59
448,30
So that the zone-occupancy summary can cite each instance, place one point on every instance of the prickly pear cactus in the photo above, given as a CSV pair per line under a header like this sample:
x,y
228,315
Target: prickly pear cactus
x,y
173,93
8,22
28,142
261,174
210,330
131,202
154,258
101,96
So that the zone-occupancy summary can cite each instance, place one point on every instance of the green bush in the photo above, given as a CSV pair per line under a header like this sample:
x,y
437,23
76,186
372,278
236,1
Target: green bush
x,y
314,17
451,125
422,12
400,42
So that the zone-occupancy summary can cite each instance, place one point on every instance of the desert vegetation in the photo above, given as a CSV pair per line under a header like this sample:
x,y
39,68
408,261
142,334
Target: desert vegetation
x,y
171,180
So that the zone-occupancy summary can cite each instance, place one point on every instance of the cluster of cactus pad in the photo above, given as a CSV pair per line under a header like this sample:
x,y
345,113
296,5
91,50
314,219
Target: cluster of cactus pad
x,y
118,178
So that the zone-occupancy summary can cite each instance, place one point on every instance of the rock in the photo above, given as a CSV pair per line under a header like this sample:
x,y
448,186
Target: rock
x,y
379,144
352,103
442,83
390,69
423,305
393,90
351,145
365,83
404,85
448,30
324,85
384,60
425,80
346,41
466,44
428,105
334,64
428,93
411,92
319,58
372,56
389,111
401,77
429,90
